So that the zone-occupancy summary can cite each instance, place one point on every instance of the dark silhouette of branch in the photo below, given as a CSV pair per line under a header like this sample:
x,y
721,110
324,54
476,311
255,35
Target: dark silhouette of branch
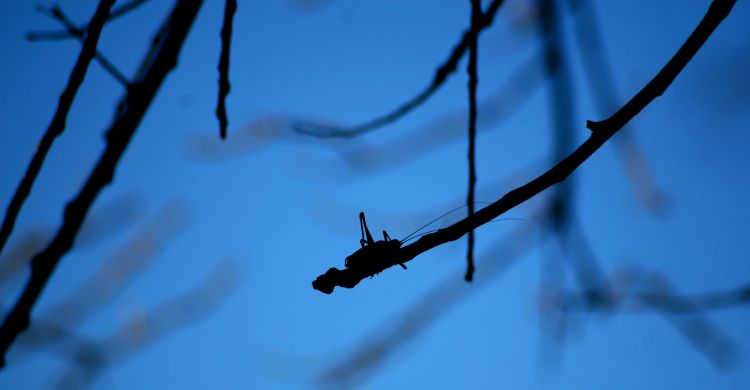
x,y
224,87
601,82
441,74
56,13
159,61
57,126
471,69
115,13
600,133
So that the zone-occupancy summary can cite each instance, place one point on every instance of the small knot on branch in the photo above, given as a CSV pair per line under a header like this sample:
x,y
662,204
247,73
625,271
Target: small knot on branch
x,y
596,126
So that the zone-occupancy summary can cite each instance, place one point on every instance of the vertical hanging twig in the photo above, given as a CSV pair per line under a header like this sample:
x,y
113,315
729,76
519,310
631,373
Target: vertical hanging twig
x,y
476,16
158,62
57,126
224,87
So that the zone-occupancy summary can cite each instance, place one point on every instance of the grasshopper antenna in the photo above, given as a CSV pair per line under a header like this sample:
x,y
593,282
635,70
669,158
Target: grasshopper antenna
x,y
414,237
412,234
363,228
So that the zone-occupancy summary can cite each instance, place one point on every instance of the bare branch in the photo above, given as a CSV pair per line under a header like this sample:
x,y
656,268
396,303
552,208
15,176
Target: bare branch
x,y
601,132
57,14
57,126
159,61
67,34
602,85
441,74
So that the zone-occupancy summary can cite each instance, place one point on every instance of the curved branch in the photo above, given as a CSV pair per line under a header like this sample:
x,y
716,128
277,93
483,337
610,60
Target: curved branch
x,y
115,13
601,132
441,74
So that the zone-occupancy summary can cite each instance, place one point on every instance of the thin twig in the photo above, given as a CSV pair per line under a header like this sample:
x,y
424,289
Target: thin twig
x,y
67,34
224,87
159,61
441,74
56,13
642,292
661,300
57,126
600,133
471,69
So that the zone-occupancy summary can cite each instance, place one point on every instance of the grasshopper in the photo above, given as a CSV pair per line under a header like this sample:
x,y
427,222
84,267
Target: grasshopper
x,y
372,251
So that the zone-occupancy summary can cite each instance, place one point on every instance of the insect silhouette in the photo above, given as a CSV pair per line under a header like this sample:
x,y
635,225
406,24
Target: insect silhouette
x,y
372,251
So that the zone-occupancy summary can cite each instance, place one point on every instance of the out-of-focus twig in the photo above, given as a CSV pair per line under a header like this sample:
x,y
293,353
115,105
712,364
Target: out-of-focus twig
x,y
57,126
102,223
600,133
662,299
159,61
90,358
643,292
561,100
364,158
113,274
224,87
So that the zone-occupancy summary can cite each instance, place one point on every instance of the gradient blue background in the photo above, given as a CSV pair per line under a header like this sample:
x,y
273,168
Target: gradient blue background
x,y
284,212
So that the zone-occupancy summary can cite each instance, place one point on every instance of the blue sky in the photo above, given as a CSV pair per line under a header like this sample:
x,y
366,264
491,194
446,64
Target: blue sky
x,y
266,211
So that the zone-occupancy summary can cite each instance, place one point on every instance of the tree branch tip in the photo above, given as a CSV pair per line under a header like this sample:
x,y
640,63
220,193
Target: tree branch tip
x,y
323,283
